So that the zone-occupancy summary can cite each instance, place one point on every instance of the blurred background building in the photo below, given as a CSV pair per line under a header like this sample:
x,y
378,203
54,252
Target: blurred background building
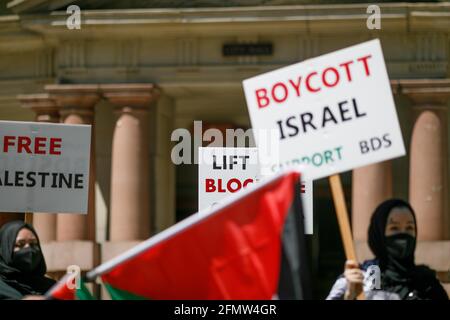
x,y
136,70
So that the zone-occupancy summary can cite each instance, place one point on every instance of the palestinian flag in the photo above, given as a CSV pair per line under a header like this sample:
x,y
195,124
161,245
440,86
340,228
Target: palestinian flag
x,y
65,289
251,246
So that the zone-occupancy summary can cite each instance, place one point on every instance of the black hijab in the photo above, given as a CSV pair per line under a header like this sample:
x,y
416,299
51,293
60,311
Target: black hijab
x,y
15,284
377,228
404,277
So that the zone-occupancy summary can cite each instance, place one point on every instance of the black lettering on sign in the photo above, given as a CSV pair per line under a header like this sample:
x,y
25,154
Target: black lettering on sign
x,y
342,112
33,179
375,143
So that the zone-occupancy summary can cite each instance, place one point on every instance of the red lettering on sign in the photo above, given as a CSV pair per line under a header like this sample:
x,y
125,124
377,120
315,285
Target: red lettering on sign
x,y
284,92
366,66
209,185
302,188
325,79
347,69
32,145
23,143
39,145
232,185
246,182
55,146
8,141
296,85
261,97
314,81
308,85
219,186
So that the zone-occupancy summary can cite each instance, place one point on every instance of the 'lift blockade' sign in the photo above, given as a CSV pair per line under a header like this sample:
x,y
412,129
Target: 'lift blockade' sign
x,y
333,113
44,167
223,171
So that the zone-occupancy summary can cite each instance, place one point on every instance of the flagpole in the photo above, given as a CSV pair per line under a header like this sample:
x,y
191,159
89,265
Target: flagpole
x,y
190,221
56,286
342,217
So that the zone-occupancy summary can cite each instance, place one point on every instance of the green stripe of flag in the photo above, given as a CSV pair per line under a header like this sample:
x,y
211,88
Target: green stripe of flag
x,y
117,294
83,292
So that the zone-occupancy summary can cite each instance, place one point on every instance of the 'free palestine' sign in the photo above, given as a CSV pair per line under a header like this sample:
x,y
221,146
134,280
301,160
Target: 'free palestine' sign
x,y
44,167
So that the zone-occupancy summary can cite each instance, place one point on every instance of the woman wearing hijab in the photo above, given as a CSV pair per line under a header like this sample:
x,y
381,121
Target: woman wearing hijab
x,y
22,264
392,239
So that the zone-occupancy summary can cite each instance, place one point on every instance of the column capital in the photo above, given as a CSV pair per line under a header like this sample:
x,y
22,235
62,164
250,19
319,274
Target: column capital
x,y
426,92
131,95
41,103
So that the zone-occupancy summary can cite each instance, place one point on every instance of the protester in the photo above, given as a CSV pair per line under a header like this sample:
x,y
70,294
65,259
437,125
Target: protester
x,y
392,239
22,264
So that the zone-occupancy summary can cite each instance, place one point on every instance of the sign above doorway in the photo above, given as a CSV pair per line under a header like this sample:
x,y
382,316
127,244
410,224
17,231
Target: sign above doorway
x,y
247,49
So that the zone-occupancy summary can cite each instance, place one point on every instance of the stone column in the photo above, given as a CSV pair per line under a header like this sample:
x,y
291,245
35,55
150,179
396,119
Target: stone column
x,y
77,104
163,182
371,185
428,185
130,189
46,111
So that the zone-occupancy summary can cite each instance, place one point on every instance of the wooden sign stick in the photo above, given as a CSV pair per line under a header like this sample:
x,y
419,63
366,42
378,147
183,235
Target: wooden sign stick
x,y
344,223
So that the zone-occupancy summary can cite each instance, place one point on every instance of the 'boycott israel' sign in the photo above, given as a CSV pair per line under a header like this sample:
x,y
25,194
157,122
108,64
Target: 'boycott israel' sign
x,y
333,113
223,171
44,167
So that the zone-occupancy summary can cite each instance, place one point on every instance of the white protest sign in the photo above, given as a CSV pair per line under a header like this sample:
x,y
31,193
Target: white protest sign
x,y
44,167
333,113
223,171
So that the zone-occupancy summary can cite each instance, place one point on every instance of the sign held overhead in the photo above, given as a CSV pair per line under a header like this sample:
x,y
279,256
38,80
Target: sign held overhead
x,y
333,113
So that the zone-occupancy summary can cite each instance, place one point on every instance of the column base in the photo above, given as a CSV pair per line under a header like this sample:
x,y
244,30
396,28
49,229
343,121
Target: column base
x,y
60,255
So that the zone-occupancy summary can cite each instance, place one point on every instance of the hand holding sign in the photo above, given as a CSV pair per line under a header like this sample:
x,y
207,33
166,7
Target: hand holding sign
x,y
334,113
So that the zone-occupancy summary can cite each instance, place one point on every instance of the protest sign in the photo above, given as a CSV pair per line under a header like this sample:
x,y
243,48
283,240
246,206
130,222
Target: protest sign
x,y
223,171
44,167
332,113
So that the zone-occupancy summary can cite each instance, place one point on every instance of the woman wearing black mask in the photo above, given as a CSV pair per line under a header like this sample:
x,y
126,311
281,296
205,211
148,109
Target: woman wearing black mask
x,y
22,265
392,239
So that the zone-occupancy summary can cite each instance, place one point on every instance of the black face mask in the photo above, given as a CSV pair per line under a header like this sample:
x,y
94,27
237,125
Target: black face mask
x,y
400,246
27,259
